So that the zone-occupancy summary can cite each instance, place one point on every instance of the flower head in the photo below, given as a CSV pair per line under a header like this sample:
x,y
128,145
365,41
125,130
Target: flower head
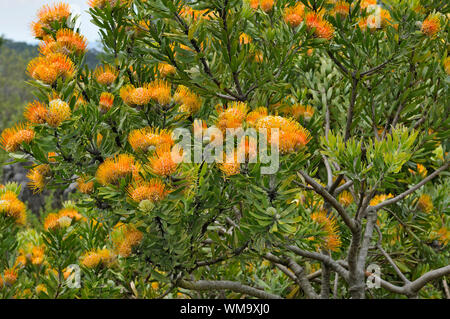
x,y
38,176
232,116
11,206
105,75
12,138
115,168
166,69
329,225
163,163
125,237
153,190
255,115
58,112
50,67
160,91
189,101
322,28
85,185
106,102
36,112
431,25
142,139
293,16
425,203
57,12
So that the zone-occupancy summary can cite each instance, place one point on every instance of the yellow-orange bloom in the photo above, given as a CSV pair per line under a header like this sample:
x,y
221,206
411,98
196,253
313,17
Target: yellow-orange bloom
x,y
37,177
431,25
231,117
103,3
341,8
36,112
292,136
265,5
105,75
166,69
106,102
160,91
62,219
84,185
380,198
425,203
345,198
11,206
230,167
115,168
142,139
57,12
8,278
293,16
162,162
153,190
447,65
322,28
332,240
12,138
58,112
37,30
190,102
125,237
255,115
94,258
50,67
298,110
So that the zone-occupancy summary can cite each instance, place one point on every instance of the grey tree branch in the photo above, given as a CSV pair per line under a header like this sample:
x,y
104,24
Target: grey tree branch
x,y
225,285
330,199
412,189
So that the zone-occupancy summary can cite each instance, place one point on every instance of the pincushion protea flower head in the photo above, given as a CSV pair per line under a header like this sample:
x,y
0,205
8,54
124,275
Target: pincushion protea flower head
x,y
94,258
11,206
163,162
50,67
38,176
329,225
190,102
255,115
58,112
142,139
230,165
52,13
12,138
115,168
431,25
8,278
153,190
85,185
341,8
160,91
103,3
425,203
293,16
74,41
165,69
292,136
322,28
62,219
125,237
106,102
36,112
232,116
299,110
345,198
105,75
37,30
380,198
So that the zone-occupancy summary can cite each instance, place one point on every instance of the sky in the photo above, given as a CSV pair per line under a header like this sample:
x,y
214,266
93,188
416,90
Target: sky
x,y
16,16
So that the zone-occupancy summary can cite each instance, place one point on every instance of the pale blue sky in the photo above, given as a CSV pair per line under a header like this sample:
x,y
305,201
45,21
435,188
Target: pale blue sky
x,y
16,16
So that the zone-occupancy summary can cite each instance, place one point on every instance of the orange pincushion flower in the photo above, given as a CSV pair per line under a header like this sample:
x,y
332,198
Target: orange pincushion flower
x,y
153,190
62,219
58,12
447,65
37,30
105,75
431,25
366,3
125,94
103,3
50,67
84,185
379,199
298,110
345,198
58,112
443,235
74,41
93,258
106,102
230,165
51,221
190,102
115,168
37,177
166,69
293,16
341,8
9,277
125,237
255,115
245,38
322,28
11,206
162,163
36,112
332,239
142,139
140,96
265,5
160,91
292,135
425,203
12,138
231,117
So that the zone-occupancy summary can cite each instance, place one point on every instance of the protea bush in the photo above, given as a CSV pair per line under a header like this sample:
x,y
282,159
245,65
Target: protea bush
x,y
235,149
